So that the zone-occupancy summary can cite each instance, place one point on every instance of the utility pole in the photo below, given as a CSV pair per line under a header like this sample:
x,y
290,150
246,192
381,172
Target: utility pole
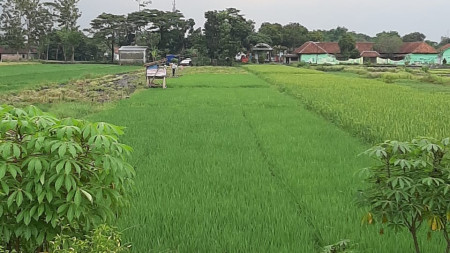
x,y
174,7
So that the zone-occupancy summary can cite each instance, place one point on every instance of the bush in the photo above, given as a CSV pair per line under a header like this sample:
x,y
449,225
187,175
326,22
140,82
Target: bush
x,y
409,186
101,239
57,173
330,68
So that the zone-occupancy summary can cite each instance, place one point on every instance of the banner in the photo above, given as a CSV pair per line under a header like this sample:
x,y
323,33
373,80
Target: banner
x,y
156,71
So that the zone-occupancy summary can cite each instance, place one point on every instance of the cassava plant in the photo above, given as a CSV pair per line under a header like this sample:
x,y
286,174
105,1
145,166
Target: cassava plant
x,y
102,239
57,174
409,185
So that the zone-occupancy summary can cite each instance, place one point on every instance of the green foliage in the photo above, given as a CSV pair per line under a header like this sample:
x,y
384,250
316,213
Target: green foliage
x,y
101,239
409,186
347,45
294,35
343,246
414,37
226,33
388,42
58,173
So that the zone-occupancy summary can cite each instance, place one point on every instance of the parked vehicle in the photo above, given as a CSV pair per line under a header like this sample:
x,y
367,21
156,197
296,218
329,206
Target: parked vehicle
x,y
186,62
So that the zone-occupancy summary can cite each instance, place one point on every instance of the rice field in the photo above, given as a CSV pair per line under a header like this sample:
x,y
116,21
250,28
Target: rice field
x,y
371,109
227,162
14,77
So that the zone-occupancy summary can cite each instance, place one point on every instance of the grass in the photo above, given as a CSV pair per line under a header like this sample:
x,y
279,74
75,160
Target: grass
x,y
18,77
371,109
228,163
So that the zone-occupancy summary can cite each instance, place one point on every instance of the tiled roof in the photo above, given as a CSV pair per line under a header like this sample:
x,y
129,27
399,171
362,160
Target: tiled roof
x,y
416,48
319,48
370,54
364,46
443,48
330,47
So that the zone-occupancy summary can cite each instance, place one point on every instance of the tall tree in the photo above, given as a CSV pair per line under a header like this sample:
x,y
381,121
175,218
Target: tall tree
x,y
316,36
106,28
67,14
11,24
294,35
273,31
334,35
413,37
388,43
226,33
347,45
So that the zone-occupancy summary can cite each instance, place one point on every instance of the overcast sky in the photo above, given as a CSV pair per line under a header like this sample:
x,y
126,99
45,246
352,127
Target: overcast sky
x,y
431,17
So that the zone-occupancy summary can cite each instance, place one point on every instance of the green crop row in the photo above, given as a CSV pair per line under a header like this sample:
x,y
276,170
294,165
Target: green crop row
x,y
371,109
227,163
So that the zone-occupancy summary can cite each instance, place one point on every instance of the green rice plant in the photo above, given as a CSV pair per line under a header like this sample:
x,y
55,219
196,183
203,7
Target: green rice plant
x,y
370,109
228,163
18,77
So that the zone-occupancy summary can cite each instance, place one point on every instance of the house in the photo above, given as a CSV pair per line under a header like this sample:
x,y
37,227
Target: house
x,y
318,52
367,52
444,54
415,53
132,55
330,52
9,54
262,51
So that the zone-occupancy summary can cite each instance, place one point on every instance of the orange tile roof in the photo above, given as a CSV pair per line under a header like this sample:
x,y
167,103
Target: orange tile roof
x,y
364,46
330,47
416,48
443,48
370,54
319,48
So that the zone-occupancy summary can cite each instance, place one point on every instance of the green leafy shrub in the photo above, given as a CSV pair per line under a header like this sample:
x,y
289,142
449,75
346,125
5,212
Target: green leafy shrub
x,y
57,173
101,239
343,246
410,186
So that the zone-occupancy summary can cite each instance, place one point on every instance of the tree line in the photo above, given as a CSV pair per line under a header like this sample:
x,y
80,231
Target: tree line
x,y
51,28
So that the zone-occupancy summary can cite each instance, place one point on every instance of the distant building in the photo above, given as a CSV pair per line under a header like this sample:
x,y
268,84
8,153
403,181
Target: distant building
x,y
416,53
329,52
367,52
444,54
262,50
9,54
132,55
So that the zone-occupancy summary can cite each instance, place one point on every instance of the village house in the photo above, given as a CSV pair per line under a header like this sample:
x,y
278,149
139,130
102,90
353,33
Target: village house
x,y
415,53
9,54
444,54
330,53
132,55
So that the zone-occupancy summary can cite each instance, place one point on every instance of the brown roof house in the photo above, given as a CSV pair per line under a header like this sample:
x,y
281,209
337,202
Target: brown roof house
x,y
330,52
9,54
415,53
444,54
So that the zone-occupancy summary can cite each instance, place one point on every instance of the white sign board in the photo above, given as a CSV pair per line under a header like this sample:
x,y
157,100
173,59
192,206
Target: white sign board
x,y
155,71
